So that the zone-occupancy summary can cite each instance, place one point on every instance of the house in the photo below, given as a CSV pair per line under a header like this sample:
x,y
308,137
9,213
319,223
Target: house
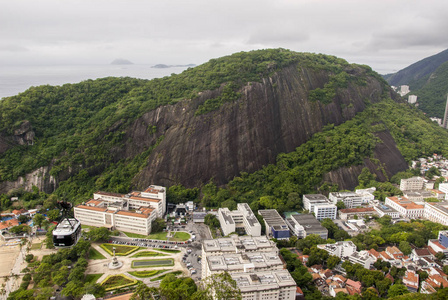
x,y
6,225
339,278
353,287
410,280
394,252
299,294
420,253
19,212
334,291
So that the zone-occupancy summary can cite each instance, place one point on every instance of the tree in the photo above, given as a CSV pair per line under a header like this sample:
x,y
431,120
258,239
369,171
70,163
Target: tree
x,y
440,255
98,234
23,218
73,289
332,261
144,292
340,205
397,290
405,247
221,286
158,225
38,219
53,214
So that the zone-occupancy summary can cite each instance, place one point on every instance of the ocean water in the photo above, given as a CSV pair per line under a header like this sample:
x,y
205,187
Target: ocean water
x,y
17,79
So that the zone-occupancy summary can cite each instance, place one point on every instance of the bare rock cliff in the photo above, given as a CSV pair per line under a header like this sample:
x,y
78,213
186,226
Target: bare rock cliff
x,y
271,117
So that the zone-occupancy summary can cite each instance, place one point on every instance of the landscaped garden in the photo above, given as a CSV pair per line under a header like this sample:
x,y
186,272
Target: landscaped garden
x,y
147,254
166,262
169,250
95,254
120,250
146,273
92,278
178,236
113,282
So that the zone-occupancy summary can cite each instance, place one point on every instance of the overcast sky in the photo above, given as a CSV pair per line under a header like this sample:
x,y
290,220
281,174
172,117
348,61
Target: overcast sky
x,y
388,35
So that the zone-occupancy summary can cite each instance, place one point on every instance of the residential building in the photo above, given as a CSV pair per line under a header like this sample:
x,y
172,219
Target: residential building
x,y
412,99
339,249
420,253
361,212
413,183
394,252
8,224
363,258
410,280
240,219
270,285
306,224
438,194
328,211
276,227
406,208
350,199
310,200
443,187
236,244
436,212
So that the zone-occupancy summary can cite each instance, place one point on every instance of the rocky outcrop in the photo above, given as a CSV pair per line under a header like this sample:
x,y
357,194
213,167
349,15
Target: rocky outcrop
x,y
272,117
387,162
39,178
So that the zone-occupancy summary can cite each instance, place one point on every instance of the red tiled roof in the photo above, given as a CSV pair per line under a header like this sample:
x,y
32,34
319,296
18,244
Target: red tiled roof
x,y
145,199
110,194
355,284
9,224
422,252
132,214
299,291
103,209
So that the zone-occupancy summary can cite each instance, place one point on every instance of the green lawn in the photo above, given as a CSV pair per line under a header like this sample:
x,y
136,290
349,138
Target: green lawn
x,y
94,254
146,273
180,236
169,250
120,250
164,275
113,282
135,235
36,246
157,236
92,278
147,253
166,262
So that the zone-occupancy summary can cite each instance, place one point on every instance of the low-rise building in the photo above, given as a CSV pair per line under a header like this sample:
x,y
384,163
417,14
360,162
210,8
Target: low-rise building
x,y
240,219
275,225
363,258
339,249
386,210
306,224
350,213
411,281
406,208
350,199
413,183
436,212
320,205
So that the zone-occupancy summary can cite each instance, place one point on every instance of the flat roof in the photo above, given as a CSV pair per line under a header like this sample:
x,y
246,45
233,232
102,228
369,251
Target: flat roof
x,y
272,217
309,222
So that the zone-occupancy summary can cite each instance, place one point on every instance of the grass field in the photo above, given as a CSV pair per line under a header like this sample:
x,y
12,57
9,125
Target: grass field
x,y
117,281
120,250
157,236
180,236
135,235
94,254
169,250
92,278
166,262
164,275
147,254
146,273
36,246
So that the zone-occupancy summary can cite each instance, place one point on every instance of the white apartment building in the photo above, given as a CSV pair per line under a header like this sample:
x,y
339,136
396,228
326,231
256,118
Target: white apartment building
x,y
320,205
413,183
443,187
436,212
339,249
325,211
406,208
253,262
97,213
350,199
242,218
271,285
363,258
304,225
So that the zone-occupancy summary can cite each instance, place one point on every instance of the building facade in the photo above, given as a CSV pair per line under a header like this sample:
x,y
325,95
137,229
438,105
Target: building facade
x,y
241,219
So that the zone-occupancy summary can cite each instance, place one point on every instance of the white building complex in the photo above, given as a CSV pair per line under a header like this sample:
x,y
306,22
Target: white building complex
x,y
133,212
320,205
339,249
241,219
413,183
436,212
254,264
350,199
304,225
443,187
406,208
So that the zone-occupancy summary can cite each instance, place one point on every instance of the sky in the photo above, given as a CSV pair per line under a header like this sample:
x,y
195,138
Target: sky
x,y
387,35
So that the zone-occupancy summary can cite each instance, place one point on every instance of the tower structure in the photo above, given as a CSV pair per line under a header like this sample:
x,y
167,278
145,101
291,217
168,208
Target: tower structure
x,y
445,116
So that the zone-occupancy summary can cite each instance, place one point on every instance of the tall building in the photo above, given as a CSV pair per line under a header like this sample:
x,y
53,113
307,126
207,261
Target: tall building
x,y
320,205
241,219
445,116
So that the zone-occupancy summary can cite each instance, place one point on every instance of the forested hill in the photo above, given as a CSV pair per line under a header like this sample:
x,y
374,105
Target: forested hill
x,y
231,115
427,79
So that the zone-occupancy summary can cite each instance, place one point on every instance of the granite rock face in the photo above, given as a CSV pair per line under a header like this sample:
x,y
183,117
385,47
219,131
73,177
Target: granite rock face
x,y
271,117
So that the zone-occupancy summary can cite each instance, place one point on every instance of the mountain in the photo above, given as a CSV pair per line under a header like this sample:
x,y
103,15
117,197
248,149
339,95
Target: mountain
x,y
427,79
313,118
417,74
121,61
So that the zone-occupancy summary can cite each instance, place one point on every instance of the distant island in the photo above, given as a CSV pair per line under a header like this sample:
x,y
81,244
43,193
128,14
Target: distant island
x,y
162,66
121,61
